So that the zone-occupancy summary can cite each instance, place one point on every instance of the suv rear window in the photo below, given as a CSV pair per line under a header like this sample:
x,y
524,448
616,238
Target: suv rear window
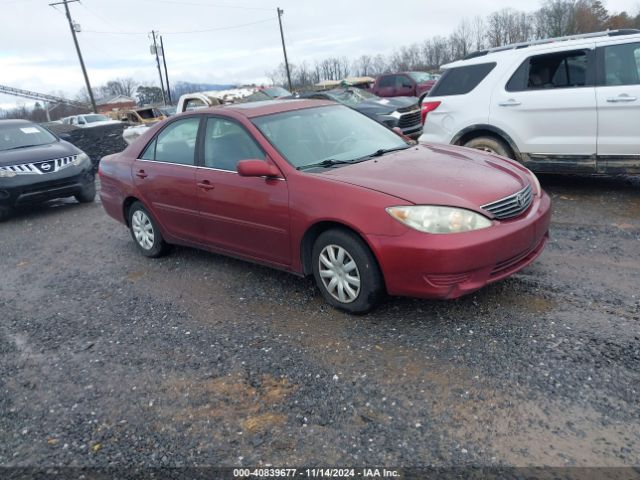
x,y
461,80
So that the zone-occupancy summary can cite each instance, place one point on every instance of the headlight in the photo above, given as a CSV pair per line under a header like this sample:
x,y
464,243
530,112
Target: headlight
x,y
81,158
7,173
435,219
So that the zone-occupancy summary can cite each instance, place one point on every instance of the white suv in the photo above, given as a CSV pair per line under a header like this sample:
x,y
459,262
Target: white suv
x,y
568,105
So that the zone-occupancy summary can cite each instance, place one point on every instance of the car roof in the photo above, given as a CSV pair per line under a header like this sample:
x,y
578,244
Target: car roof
x,y
269,107
531,48
16,121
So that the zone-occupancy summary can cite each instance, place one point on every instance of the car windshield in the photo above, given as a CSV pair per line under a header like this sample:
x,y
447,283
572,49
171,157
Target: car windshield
x,y
329,134
351,96
95,118
421,77
23,135
274,92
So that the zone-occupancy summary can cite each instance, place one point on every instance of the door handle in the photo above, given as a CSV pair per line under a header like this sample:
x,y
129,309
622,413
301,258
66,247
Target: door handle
x,y
510,103
621,98
206,185
141,174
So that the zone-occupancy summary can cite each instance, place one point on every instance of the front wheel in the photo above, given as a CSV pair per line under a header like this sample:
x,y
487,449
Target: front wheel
x,y
145,232
5,212
87,194
490,145
346,272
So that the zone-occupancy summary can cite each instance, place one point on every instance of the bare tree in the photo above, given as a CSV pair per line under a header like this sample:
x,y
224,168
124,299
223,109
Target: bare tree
x,y
120,86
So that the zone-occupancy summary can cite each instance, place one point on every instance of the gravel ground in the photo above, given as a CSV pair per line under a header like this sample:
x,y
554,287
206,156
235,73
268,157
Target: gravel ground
x,y
109,358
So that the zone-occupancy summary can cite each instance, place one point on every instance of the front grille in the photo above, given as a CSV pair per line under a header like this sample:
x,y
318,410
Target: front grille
x,y
410,108
40,168
410,119
448,279
45,187
511,206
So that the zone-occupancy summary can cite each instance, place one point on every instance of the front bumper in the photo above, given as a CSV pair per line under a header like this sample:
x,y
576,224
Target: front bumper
x,y
422,265
31,189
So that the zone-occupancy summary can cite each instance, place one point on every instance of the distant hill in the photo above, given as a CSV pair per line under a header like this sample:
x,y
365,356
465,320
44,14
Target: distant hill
x,y
180,88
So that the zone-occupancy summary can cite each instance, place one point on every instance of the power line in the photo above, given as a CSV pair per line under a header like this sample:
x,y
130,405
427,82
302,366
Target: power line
x,y
98,16
216,29
180,2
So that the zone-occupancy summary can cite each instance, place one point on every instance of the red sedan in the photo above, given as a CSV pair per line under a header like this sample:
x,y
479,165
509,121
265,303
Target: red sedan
x,y
316,188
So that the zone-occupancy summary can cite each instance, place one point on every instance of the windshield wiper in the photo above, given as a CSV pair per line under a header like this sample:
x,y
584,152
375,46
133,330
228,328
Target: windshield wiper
x,y
382,151
324,164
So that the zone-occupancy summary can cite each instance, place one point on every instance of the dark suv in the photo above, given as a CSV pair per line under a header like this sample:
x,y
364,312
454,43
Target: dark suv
x,y
36,165
401,112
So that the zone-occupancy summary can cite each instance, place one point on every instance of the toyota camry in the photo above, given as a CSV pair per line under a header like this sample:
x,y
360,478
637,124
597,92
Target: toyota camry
x,y
316,188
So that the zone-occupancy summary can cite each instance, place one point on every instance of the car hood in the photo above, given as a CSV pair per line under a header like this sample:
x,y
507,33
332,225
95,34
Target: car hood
x,y
437,175
385,106
37,154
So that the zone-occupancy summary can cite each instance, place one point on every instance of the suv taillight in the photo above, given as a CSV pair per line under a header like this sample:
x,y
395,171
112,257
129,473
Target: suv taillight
x,y
428,107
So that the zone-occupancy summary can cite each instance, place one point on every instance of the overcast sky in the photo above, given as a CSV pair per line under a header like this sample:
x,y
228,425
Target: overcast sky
x,y
37,52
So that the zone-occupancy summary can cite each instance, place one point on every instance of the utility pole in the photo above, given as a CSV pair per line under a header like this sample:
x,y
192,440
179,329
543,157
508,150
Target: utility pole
x,y
155,50
166,72
284,49
75,41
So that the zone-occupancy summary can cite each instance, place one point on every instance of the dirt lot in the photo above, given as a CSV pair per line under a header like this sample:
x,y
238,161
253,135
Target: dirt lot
x,y
107,357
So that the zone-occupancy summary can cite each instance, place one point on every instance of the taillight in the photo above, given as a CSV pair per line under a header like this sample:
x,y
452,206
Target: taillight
x,y
428,107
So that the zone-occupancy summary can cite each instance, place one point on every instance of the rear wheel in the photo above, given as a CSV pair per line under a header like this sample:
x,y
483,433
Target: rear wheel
x,y
346,272
490,145
145,232
88,194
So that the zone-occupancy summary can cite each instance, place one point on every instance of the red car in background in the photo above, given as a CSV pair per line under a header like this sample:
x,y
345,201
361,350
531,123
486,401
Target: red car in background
x,y
316,188
404,84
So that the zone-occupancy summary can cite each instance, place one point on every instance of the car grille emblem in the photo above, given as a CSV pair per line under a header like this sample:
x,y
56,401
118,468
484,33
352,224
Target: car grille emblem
x,y
45,167
511,206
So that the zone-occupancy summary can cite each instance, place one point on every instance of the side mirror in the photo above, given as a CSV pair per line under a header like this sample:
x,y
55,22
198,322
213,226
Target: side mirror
x,y
404,137
64,136
256,168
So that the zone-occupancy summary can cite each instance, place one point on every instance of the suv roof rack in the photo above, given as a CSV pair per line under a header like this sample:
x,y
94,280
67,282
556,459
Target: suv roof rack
x,y
514,46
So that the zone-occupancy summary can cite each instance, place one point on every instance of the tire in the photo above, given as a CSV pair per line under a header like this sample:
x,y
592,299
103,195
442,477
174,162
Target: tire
x,y
88,194
332,251
491,145
5,212
145,232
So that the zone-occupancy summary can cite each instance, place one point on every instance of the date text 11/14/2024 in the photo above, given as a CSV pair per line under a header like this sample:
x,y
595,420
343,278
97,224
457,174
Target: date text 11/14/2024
x,y
315,473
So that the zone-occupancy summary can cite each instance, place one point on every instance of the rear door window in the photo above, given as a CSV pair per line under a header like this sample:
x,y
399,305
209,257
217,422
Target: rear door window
x,y
176,143
554,70
461,80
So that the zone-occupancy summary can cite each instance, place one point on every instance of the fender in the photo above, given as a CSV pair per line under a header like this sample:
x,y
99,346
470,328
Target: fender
x,y
489,128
